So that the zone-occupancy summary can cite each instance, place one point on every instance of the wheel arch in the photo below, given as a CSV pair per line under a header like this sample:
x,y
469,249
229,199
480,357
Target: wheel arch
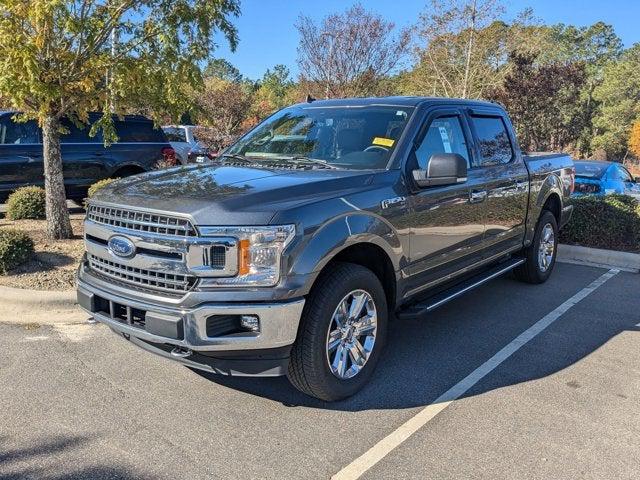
x,y
361,239
127,170
549,197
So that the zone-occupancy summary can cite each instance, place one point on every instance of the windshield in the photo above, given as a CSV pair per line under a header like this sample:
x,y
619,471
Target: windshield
x,y
343,137
591,170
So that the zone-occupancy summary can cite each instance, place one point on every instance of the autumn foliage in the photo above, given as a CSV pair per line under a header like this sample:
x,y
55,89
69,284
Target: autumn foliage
x,y
634,139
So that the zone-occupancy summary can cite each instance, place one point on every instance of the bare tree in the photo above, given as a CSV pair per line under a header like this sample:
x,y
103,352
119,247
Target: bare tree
x,y
349,54
223,106
463,45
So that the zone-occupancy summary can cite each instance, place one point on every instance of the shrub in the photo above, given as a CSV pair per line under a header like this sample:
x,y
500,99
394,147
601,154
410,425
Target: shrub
x,y
16,247
98,185
165,163
611,222
27,203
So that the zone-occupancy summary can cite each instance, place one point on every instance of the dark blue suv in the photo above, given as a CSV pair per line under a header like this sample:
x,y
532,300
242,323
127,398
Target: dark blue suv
x,y
85,159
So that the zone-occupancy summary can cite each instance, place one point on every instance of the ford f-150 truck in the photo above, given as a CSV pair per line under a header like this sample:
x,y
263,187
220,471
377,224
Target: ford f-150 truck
x,y
291,254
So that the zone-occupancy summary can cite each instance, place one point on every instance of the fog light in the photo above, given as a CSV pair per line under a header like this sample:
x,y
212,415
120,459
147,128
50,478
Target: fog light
x,y
250,322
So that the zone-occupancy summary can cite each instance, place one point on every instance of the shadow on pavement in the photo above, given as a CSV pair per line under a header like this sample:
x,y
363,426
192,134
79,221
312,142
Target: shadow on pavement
x,y
424,358
11,459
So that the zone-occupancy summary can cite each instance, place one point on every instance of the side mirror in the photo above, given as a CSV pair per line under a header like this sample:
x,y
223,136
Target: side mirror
x,y
442,169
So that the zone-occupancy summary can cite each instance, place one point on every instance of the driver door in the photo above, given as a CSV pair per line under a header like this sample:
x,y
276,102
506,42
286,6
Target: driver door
x,y
447,222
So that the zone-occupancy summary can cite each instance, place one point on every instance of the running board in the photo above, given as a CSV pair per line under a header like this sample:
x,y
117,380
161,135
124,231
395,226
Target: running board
x,y
418,309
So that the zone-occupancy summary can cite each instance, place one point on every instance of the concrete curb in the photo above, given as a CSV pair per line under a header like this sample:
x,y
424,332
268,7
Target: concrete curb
x,y
596,257
52,307
18,305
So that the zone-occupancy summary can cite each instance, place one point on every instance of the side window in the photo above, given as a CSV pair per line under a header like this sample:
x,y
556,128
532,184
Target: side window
x,y
138,131
19,133
625,176
78,135
444,135
493,140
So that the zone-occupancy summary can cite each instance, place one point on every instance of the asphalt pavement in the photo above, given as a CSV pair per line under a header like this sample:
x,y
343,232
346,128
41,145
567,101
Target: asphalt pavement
x,y
77,401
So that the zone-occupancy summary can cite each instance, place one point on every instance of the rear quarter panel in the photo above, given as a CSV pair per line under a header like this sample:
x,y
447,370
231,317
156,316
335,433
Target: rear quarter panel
x,y
550,174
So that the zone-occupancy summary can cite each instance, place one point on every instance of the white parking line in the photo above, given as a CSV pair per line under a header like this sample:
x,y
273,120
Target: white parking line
x,y
385,446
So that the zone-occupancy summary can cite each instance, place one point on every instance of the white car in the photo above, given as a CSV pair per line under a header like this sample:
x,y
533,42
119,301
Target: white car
x,y
182,140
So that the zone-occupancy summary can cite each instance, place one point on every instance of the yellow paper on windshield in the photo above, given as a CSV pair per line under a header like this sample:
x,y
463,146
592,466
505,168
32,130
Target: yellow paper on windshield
x,y
385,142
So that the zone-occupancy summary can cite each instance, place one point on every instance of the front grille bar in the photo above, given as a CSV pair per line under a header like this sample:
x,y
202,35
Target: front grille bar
x,y
141,221
167,282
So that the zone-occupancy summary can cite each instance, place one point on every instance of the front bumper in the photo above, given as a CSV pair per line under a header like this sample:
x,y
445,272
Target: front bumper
x,y
182,333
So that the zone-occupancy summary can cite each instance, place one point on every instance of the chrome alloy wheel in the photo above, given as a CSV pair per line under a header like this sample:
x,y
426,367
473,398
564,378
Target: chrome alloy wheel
x,y
352,334
547,247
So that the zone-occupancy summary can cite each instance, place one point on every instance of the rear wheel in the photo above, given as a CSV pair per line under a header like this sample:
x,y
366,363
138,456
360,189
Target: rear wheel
x,y
540,256
342,332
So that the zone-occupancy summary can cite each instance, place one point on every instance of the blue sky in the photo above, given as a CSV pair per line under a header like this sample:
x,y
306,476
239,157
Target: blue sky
x,y
268,35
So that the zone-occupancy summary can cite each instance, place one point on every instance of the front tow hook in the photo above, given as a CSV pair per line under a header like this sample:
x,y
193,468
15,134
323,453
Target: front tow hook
x,y
181,352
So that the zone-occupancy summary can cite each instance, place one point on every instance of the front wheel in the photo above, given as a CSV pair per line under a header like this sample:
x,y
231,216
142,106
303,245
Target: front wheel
x,y
342,332
540,256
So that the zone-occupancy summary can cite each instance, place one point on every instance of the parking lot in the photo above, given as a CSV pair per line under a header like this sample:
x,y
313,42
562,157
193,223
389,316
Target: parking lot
x,y
76,401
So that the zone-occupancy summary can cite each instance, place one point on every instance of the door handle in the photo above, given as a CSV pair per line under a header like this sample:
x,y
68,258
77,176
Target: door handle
x,y
477,196
31,158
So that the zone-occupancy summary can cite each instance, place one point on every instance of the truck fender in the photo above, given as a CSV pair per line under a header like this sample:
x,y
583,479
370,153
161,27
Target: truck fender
x,y
552,185
313,254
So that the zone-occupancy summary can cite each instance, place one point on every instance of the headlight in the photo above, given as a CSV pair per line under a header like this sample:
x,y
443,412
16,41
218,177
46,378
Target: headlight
x,y
259,253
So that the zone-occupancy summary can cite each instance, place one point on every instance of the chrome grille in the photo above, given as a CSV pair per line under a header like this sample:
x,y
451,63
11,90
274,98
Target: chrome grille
x,y
146,279
141,221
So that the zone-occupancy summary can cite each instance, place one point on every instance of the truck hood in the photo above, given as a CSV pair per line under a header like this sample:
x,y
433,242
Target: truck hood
x,y
226,195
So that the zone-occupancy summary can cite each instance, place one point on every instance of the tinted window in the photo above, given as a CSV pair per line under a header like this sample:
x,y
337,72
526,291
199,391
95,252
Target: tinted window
x,y
589,169
19,133
138,131
78,135
444,135
493,140
175,134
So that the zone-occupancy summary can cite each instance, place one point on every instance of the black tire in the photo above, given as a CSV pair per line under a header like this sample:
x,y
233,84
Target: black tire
x,y
127,172
309,369
531,271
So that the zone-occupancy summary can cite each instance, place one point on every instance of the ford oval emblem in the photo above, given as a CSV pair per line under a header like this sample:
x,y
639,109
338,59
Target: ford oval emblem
x,y
121,246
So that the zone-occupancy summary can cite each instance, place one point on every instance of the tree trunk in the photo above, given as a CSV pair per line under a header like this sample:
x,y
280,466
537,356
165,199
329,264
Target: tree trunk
x,y
467,63
58,223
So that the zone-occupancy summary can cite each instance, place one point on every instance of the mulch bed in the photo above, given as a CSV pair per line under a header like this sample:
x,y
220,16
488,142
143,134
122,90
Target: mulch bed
x,y
54,264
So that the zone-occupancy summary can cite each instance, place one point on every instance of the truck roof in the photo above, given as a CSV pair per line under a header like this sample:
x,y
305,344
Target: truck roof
x,y
400,101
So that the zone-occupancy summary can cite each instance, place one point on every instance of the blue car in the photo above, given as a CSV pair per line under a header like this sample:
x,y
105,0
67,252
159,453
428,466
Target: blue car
x,y
603,178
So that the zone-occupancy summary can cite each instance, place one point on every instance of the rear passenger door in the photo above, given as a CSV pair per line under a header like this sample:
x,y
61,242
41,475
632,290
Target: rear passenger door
x,y
447,222
85,159
506,179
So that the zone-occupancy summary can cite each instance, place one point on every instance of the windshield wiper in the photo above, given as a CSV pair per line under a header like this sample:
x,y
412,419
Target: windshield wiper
x,y
235,156
300,159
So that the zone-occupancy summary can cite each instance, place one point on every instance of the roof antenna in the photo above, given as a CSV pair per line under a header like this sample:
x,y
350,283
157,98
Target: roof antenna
x,y
310,99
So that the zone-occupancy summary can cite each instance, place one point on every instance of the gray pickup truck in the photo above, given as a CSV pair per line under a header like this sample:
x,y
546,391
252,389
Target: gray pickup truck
x,y
291,254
